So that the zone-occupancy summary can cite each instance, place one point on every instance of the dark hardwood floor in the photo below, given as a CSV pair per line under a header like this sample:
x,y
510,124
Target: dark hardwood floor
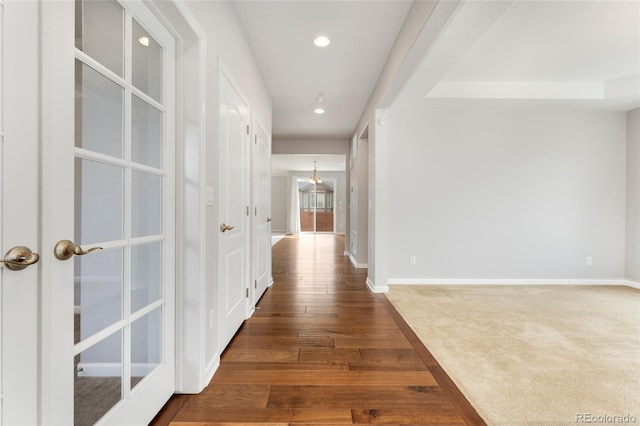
x,y
322,349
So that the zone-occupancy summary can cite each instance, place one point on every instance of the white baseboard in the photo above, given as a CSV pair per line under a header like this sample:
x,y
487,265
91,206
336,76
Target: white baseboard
x,y
203,381
211,369
376,289
632,283
356,264
450,281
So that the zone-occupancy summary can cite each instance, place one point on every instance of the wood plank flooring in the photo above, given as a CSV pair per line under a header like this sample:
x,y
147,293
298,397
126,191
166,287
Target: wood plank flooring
x,y
322,349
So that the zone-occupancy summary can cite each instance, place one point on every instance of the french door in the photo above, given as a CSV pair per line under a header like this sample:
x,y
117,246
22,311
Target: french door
x,y
123,301
123,174
108,213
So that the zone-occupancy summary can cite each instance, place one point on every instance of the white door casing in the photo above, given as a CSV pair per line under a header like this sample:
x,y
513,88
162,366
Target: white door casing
x,y
233,181
353,200
261,189
19,112
152,320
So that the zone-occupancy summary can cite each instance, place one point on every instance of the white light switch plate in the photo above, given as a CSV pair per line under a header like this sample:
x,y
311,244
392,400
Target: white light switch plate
x,y
210,194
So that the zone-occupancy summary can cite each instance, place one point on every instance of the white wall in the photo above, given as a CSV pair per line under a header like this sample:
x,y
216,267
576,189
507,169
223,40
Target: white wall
x,y
358,241
279,203
310,146
411,44
506,192
226,43
633,196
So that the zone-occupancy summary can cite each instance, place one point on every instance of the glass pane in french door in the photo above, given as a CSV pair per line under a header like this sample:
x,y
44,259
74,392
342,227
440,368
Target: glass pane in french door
x,y
147,62
98,381
146,133
146,274
99,203
100,32
119,200
100,104
146,345
146,204
98,288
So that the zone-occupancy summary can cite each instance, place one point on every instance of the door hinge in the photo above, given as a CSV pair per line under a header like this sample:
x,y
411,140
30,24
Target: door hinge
x,y
247,293
255,284
248,129
255,211
255,139
247,210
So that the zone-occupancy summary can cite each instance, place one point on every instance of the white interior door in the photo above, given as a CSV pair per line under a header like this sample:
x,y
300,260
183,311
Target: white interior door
x,y
108,324
261,209
233,242
19,301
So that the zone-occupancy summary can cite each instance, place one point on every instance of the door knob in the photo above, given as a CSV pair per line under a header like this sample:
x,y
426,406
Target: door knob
x,y
268,219
224,227
19,257
65,249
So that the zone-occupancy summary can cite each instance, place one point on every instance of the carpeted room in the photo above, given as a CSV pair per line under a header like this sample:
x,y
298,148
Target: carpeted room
x,y
555,205
560,343
533,355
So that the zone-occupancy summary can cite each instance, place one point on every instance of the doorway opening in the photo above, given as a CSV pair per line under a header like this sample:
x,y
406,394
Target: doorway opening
x,y
317,206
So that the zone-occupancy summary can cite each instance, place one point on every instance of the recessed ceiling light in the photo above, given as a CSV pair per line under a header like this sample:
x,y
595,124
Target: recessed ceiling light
x,y
144,41
321,41
319,111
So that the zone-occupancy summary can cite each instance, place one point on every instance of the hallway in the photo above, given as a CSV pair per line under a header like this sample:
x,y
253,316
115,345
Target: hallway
x,y
322,349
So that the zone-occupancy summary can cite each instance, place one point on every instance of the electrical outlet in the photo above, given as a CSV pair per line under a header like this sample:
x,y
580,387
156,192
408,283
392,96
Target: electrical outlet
x,y
412,260
589,261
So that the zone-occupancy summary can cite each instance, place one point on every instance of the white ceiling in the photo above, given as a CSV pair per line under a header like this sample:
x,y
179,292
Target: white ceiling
x,y
295,71
283,163
585,52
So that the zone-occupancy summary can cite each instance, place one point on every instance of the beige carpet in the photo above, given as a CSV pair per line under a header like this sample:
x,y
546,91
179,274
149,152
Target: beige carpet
x,y
534,355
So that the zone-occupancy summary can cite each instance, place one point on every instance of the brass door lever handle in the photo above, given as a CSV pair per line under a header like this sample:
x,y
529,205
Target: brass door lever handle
x,y
19,257
224,227
268,219
65,249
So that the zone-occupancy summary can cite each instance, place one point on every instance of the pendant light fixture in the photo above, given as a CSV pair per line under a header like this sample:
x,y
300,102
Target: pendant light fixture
x,y
315,179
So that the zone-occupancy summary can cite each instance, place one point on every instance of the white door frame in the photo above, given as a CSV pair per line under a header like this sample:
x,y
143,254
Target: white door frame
x,y
193,197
